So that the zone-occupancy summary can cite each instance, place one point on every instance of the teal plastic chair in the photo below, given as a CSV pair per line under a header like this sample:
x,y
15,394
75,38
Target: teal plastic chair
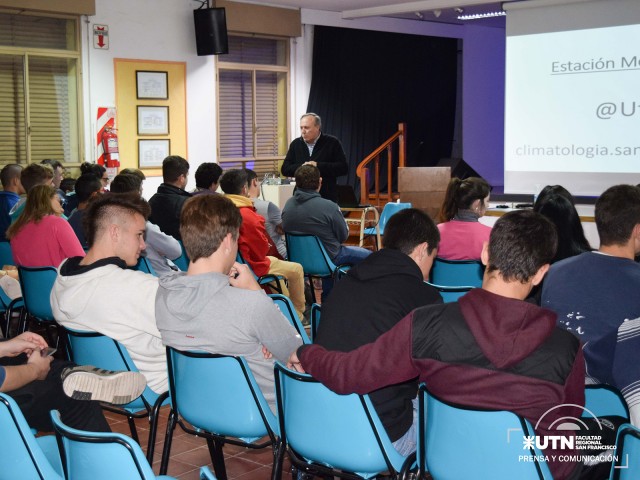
x,y
36,284
457,273
603,400
387,212
93,348
308,251
460,442
626,465
144,265
99,455
6,255
182,262
269,280
217,397
205,474
22,456
286,307
329,434
450,294
316,311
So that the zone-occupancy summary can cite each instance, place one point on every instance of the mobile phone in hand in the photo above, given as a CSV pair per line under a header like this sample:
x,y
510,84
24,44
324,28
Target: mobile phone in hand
x,y
47,352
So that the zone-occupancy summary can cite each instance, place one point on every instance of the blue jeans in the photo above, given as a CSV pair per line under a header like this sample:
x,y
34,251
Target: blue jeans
x,y
346,255
406,444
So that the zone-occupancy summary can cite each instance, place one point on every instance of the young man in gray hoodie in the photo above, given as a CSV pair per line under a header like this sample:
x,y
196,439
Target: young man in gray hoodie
x,y
217,306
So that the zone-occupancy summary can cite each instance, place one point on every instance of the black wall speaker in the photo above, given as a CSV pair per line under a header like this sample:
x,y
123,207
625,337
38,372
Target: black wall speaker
x,y
459,168
211,31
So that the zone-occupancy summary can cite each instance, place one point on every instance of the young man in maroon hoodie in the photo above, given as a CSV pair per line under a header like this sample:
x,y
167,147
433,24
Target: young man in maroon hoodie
x,y
490,350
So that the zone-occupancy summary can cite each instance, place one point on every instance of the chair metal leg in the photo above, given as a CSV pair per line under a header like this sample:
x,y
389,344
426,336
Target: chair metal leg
x,y
166,449
153,425
278,458
132,427
217,458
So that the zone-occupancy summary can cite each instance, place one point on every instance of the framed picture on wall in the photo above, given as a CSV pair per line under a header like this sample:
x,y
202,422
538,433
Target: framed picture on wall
x,y
152,85
153,120
151,153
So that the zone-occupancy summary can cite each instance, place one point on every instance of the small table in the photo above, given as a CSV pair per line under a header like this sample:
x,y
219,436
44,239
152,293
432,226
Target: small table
x,y
362,221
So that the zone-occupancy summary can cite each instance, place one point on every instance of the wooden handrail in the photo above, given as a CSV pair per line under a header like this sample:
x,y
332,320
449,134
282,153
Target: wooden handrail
x,y
362,171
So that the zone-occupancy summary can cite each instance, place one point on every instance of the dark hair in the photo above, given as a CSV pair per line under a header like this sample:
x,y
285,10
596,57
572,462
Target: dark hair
x,y
204,223
52,163
134,171
207,173
520,243
250,175
554,190
407,229
106,208
172,167
8,173
94,168
86,185
461,194
68,184
233,181
563,214
125,183
617,213
35,174
307,177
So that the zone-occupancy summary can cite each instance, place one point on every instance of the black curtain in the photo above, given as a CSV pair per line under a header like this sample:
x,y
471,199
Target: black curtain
x,y
364,83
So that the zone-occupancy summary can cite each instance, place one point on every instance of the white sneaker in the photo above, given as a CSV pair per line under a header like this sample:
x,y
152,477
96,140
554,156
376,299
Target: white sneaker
x,y
85,382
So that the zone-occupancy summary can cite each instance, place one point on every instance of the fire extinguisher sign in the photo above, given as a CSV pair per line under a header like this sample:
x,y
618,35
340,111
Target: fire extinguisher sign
x,y
101,37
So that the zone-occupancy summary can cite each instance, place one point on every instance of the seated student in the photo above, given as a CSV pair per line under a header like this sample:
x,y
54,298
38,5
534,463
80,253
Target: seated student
x,y
168,200
30,176
207,177
307,212
461,234
40,236
159,246
217,306
373,297
10,195
88,186
489,350
99,294
39,383
595,295
254,243
270,212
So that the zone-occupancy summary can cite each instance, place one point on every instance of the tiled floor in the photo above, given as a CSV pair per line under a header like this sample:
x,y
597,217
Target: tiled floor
x,y
189,453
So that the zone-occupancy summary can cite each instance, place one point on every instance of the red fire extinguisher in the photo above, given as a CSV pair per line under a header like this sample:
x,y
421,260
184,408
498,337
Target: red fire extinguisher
x,y
110,147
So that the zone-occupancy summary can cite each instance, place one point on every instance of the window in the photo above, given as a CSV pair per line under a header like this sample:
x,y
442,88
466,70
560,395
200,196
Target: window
x,y
253,84
39,89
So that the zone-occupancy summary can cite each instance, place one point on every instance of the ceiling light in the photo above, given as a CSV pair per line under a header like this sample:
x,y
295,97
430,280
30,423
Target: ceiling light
x,y
477,16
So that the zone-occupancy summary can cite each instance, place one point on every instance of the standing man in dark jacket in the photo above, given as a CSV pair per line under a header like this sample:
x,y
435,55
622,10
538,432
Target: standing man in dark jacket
x,y
373,297
166,203
489,350
315,148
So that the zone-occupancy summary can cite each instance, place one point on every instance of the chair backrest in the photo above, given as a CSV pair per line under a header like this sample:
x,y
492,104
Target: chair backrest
x,y
182,262
218,394
626,465
98,455
457,273
602,400
93,348
316,311
6,255
286,307
388,211
490,442
450,294
36,284
144,265
308,251
21,455
339,431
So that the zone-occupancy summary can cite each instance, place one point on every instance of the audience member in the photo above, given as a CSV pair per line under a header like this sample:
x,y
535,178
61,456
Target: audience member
x,y
461,234
31,175
39,383
98,293
307,212
207,177
166,203
254,244
10,195
58,176
68,185
319,150
270,212
490,350
98,170
159,246
88,187
595,295
373,297
217,306
40,236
